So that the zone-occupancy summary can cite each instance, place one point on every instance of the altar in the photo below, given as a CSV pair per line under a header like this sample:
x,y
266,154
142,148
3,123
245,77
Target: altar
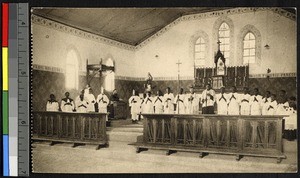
x,y
238,135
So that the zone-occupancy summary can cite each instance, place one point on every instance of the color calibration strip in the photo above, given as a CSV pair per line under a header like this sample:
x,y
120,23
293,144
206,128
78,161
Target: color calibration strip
x,y
5,111
15,89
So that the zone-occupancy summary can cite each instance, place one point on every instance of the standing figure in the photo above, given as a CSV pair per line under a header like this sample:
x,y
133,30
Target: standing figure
x,y
81,103
67,104
134,105
148,85
52,104
92,101
271,106
87,89
102,101
265,103
245,105
233,102
282,103
221,100
180,102
255,103
158,103
168,102
208,100
192,102
147,104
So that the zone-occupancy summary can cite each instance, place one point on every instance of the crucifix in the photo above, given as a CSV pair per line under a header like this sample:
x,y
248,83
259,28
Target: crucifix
x,y
178,64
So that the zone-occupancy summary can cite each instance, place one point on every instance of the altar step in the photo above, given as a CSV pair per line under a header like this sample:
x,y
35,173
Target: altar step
x,y
126,133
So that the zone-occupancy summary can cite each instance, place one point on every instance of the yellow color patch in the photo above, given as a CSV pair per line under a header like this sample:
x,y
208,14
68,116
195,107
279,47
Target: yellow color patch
x,y
5,68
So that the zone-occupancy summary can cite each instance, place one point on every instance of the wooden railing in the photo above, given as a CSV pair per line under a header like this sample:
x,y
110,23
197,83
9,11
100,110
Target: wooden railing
x,y
77,128
236,135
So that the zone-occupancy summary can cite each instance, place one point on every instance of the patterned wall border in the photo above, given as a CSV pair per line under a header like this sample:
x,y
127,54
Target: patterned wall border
x,y
76,32
275,75
239,47
67,29
82,73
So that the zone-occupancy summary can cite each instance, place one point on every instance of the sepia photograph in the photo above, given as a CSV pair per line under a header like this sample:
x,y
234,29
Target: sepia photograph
x,y
164,90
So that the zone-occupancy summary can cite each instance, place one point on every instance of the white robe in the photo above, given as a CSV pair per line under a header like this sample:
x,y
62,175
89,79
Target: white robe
x,y
245,104
281,109
255,104
192,103
269,108
67,106
179,100
81,106
158,104
291,121
208,101
52,106
134,104
168,103
222,103
265,105
91,99
103,102
233,103
148,105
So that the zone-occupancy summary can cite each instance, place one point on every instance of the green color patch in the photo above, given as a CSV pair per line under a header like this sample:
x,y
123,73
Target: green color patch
x,y
5,112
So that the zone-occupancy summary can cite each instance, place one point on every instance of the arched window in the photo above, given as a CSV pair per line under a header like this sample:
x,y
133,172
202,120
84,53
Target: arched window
x,y
110,77
71,75
249,48
200,46
224,38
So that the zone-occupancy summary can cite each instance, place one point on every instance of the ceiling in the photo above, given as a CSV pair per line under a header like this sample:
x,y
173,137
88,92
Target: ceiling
x,y
126,25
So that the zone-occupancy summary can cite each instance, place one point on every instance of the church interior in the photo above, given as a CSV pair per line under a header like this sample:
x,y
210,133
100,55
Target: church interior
x,y
121,49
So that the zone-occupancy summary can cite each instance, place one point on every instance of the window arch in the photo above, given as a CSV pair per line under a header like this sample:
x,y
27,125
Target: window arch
x,y
110,77
249,48
200,50
71,73
224,38
223,30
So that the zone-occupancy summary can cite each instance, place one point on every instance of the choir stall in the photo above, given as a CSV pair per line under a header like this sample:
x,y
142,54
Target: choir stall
x,y
237,135
70,127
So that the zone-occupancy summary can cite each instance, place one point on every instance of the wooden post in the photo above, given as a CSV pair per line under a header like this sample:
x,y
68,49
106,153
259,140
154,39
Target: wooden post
x,y
73,127
266,134
154,130
184,132
279,134
194,132
228,133
163,130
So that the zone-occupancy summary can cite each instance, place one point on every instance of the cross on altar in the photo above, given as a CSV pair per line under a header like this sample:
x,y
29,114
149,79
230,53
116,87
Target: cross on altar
x,y
178,66
219,42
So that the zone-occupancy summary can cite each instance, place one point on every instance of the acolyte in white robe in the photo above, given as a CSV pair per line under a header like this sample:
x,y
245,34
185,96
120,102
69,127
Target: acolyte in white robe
x,y
265,105
192,103
148,105
255,104
270,108
158,104
102,101
134,104
168,103
67,105
52,106
245,104
81,106
221,100
179,100
281,109
233,103
91,99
